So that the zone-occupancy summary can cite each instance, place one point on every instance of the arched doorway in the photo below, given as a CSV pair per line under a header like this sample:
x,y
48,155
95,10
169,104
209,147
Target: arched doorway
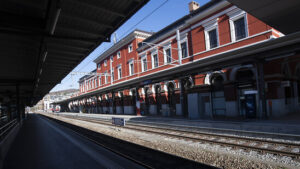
x,y
247,93
186,84
172,98
217,96
157,90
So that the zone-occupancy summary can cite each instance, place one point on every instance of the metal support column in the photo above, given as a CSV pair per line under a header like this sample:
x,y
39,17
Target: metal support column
x,y
179,46
260,82
18,102
138,104
96,102
113,102
182,104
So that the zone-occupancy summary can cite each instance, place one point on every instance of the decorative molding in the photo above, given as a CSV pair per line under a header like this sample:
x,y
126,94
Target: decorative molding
x,y
121,43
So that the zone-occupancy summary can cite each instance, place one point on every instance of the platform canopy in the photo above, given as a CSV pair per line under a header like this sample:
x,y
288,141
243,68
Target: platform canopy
x,y
41,41
280,14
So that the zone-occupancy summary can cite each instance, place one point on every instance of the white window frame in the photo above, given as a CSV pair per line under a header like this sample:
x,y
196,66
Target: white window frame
x,y
152,59
209,27
129,63
118,54
105,77
105,62
112,74
233,16
119,68
144,57
165,54
130,48
183,38
111,58
99,81
99,66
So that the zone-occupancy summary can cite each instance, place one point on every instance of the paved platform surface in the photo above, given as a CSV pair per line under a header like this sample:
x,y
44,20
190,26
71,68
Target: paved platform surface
x,y
43,144
286,125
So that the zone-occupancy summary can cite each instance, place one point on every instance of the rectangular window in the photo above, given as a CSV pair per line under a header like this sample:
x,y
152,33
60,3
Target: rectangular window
x,y
154,60
144,64
112,75
131,68
168,57
213,39
112,59
130,48
99,66
239,28
119,54
105,62
99,81
119,72
184,51
105,78
238,24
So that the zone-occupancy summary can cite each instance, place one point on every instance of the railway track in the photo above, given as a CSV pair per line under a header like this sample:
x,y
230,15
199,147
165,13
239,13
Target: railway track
x,y
143,156
261,145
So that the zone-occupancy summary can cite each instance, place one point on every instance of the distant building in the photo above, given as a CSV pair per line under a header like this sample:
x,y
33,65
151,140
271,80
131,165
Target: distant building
x,y
207,64
56,96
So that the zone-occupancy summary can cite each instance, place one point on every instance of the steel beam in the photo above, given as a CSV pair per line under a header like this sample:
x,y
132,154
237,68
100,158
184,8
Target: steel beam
x,y
93,5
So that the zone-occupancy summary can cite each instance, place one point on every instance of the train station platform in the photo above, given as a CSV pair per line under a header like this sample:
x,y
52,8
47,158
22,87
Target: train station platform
x,y
287,125
42,143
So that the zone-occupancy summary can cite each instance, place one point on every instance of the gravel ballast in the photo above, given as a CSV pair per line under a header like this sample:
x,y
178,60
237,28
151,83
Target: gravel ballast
x,y
219,156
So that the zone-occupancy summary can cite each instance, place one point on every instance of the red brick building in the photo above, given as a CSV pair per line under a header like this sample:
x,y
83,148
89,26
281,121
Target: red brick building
x,y
181,71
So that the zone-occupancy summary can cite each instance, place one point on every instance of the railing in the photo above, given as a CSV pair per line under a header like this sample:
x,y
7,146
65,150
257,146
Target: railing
x,y
4,130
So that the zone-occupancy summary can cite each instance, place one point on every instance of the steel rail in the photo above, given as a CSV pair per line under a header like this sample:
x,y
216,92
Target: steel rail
x,y
261,149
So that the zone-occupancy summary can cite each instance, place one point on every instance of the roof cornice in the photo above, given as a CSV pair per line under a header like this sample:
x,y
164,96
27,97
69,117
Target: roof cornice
x,y
133,35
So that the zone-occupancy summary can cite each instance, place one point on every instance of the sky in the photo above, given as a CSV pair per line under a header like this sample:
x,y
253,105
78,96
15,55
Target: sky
x,y
154,16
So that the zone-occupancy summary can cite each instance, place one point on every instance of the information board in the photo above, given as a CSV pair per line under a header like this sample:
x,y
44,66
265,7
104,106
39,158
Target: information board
x,y
118,121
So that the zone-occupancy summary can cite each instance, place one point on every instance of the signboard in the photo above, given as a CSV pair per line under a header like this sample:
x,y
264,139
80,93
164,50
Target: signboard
x,y
118,121
285,84
146,82
250,92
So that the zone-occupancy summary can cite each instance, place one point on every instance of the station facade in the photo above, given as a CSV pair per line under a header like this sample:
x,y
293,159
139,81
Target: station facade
x,y
141,73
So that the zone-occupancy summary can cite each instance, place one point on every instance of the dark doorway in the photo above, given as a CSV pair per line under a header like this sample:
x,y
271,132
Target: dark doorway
x,y
247,93
218,97
186,85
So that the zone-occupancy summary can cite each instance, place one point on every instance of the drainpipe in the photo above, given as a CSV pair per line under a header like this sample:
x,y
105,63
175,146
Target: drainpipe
x,y
179,46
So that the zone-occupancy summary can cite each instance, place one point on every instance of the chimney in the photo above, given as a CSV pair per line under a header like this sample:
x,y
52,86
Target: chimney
x,y
193,6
